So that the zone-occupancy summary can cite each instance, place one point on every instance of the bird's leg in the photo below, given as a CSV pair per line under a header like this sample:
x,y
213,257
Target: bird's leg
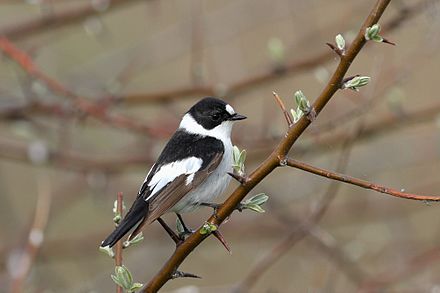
x,y
170,231
186,231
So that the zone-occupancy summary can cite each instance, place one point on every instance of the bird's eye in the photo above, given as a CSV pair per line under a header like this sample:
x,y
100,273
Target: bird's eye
x,y
216,117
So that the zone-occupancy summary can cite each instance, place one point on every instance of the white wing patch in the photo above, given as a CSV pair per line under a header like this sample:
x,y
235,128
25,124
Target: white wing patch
x,y
167,173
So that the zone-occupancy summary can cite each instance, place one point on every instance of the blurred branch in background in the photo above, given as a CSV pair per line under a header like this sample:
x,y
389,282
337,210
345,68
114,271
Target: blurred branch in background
x,y
300,228
98,111
249,83
55,20
21,264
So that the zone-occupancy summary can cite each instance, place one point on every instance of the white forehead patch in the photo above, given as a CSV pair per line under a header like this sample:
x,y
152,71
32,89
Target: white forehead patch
x,y
230,109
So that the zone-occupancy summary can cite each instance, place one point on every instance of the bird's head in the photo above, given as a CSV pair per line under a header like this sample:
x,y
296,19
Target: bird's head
x,y
211,116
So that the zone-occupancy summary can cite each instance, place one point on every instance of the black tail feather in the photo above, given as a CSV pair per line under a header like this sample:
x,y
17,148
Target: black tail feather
x,y
136,214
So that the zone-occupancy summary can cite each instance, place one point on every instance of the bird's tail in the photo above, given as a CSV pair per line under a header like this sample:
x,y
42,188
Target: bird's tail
x,y
135,215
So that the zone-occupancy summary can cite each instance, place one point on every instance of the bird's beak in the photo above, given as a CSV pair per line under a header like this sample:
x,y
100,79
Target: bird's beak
x,y
237,117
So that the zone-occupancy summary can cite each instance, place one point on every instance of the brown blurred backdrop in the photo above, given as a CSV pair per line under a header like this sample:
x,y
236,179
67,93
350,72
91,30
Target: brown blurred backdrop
x,y
130,69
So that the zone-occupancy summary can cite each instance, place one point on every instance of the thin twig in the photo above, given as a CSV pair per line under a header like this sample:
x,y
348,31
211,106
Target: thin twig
x,y
358,182
36,234
306,227
283,108
118,246
271,162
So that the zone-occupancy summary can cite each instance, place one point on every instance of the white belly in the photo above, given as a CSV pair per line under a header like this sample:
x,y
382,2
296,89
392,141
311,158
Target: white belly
x,y
213,186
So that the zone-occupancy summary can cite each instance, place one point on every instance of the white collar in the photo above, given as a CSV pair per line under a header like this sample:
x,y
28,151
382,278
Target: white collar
x,y
221,132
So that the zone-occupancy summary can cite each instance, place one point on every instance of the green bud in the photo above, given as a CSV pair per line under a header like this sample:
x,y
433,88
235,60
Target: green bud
x,y
123,277
340,42
239,158
117,218
356,82
208,228
372,33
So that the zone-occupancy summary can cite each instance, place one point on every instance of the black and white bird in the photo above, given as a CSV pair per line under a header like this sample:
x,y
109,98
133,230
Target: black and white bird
x,y
191,170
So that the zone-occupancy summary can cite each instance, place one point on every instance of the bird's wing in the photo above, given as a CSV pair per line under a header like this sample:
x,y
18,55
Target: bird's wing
x,y
174,190
176,172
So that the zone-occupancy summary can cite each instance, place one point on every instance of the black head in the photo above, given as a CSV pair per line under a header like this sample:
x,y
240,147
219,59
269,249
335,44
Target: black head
x,y
211,112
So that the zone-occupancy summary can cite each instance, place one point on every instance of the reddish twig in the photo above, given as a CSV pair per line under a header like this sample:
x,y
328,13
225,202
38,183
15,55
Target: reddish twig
x,y
283,108
306,227
358,182
118,246
271,162
97,111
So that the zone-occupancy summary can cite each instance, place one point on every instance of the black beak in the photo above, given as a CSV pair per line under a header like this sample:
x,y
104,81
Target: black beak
x,y
237,117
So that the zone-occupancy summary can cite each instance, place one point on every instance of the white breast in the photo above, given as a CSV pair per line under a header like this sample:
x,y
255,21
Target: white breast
x,y
212,187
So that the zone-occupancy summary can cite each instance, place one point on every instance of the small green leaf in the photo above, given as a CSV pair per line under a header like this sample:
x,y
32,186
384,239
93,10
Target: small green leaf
x,y
299,96
258,199
377,39
123,277
296,114
117,281
179,226
254,207
136,286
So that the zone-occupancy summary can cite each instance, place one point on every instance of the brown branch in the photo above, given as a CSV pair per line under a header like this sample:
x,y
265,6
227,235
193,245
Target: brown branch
x,y
118,246
295,67
98,111
36,235
55,20
358,182
307,227
273,161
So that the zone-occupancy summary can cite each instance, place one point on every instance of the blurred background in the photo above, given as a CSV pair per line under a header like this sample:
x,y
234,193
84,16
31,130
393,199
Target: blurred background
x,y
90,92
